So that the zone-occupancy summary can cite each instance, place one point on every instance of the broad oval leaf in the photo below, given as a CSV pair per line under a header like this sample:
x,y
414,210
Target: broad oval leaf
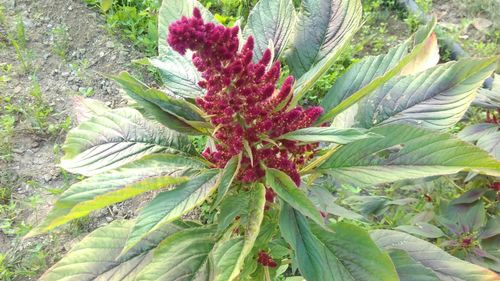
x,y
474,132
368,74
444,265
115,138
342,254
322,29
270,21
328,134
491,144
288,192
436,98
183,256
95,257
405,152
149,173
170,205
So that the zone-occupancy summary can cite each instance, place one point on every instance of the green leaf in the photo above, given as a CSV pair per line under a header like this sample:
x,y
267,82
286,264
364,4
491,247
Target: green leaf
x,y
288,192
149,173
178,74
95,257
328,134
115,138
229,258
225,257
270,21
231,207
85,108
405,152
344,253
436,98
173,10
322,29
444,265
474,132
182,256
173,113
106,5
491,144
325,202
410,270
170,205
365,76
228,175
422,229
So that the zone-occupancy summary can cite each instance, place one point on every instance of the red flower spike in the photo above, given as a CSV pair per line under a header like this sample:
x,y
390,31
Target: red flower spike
x,y
243,100
266,260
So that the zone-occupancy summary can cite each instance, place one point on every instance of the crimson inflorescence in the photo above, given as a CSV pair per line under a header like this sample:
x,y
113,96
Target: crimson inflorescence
x,y
266,260
241,99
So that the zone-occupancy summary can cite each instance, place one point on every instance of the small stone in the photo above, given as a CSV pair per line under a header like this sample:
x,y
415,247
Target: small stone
x,y
109,45
17,150
101,54
70,8
65,74
47,177
109,219
17,89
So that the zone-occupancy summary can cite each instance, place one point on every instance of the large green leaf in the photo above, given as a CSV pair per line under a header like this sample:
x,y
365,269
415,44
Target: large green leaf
x,y
444,265
410,270
173,10
368,74
228,175
436,98
230,256
174,113
322,29
405,152
95,257
288,192
344,253
325,134
183,256
112,139
170,205
270,21
149,173
178,74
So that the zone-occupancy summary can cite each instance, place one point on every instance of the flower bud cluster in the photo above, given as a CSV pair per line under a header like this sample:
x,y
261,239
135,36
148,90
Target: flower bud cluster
x,y
242,101
266,260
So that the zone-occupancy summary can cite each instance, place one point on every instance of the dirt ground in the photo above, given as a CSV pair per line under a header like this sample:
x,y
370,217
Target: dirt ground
x,y
89,49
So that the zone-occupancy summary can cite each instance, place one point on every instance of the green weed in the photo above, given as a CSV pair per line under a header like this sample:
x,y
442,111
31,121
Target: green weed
x,y
60,45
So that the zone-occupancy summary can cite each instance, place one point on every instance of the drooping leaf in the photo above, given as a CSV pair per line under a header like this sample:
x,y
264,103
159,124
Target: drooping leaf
x,y
322,29
474,132
344,253
405,152
115,138
170,205
173,10
95,257
425,59
182,256
491,144
436,98
470,196
368,74
328,134
149,173
422,229
230,257
444,265
409,269
288,192
460,218
176,114
270,20
228,175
